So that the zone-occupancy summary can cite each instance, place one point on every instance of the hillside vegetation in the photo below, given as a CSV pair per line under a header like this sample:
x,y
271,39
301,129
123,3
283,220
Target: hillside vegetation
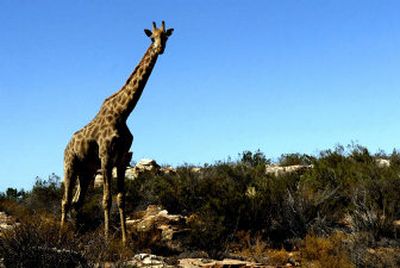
x,y
339,213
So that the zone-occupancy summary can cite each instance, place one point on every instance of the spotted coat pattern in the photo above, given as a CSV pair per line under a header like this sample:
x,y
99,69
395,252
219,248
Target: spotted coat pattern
x,y
104,143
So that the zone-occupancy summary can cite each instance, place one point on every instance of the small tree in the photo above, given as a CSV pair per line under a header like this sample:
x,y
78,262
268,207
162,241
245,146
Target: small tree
x,y
296,159
46,194
254,159
14,194
11,193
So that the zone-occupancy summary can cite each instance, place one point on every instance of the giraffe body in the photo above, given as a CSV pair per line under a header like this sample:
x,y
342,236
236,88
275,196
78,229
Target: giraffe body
x,y
104,143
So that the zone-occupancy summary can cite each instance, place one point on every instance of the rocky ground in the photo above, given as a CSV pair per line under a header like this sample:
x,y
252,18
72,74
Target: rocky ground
x,y
169,231
148,260
165,230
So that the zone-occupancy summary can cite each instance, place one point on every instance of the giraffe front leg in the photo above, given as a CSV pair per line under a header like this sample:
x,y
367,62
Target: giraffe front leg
x,y
107,201
69,184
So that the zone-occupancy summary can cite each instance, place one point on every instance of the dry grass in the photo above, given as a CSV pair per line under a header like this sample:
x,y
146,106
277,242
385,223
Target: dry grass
x,y
255,249
327,252
282,257
248,247
35,242
382,257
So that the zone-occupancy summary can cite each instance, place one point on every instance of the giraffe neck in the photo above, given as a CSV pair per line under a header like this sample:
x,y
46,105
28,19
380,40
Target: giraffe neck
x,y
124,101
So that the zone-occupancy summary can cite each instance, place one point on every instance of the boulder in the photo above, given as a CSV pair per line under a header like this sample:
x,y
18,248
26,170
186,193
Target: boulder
x,y
382,163
196,169
147,260
131,173
147,164
168,170
159,227
226,263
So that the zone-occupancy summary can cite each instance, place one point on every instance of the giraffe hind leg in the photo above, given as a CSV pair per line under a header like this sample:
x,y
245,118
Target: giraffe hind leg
x,y
121,192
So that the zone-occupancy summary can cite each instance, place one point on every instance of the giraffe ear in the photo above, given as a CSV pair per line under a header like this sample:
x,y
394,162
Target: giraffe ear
x,y
148,32
169,32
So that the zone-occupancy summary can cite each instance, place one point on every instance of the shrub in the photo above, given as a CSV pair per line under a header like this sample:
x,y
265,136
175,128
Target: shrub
x,y
296,159
325,252
230,197
36,244
45,195
14,194
254,159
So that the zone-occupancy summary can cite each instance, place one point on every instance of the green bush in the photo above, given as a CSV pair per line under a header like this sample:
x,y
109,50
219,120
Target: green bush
x,y
231,196
296,159
234,196
45,195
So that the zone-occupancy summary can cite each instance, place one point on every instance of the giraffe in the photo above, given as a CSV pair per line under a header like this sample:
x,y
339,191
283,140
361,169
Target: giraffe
x,y
105,142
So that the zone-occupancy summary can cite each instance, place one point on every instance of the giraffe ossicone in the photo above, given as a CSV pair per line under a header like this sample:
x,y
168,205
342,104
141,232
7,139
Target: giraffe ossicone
x,y
104,143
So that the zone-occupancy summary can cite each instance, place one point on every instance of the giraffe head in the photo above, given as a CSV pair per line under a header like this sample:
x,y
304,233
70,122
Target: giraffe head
x,y
159,37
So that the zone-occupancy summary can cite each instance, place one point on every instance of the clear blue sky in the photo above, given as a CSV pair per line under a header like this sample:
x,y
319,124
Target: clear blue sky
x,y
283,76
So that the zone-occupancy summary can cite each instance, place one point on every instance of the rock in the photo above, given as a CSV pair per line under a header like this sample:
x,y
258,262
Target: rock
x,y
168,170
7,223
382,163
196,169
159,227
149,260
131,173
98,180
147,164
146,260
144,165
226,263
281,170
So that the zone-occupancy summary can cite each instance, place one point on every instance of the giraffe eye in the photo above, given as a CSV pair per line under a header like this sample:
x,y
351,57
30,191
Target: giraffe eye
x,y
152,39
